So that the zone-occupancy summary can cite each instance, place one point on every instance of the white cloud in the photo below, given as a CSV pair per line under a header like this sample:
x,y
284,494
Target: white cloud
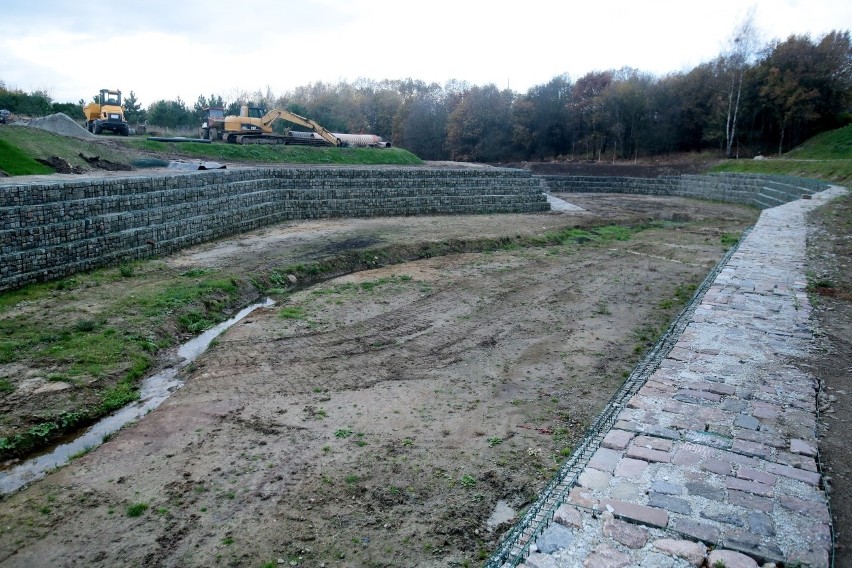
x,y
163,49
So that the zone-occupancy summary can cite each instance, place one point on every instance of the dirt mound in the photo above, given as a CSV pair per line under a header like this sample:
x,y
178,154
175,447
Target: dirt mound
x,y
61,165
61,123
101,164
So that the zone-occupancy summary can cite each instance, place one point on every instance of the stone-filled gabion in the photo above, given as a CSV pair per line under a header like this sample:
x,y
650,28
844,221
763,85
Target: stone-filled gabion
x,y
57,228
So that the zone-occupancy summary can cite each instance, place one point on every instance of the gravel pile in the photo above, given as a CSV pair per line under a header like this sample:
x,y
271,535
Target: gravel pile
x,y
62,124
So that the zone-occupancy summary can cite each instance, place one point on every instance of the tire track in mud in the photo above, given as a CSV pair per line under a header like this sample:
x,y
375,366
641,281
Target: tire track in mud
x,y
405,344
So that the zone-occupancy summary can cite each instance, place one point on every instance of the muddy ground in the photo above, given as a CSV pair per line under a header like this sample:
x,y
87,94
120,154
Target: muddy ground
x,y
830,284
378,419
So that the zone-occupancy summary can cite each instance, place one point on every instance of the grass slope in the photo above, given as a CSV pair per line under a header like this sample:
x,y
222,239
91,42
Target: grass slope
x,y
20,146
826,156
17,162
36,143
277,153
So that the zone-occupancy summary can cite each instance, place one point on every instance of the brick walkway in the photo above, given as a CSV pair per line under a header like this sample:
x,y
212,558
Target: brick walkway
x,y
718,449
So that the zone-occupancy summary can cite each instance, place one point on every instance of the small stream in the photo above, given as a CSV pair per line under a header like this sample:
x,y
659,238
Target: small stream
x,y
153,391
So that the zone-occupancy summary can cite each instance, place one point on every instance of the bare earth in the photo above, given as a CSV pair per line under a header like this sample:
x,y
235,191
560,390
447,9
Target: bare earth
x,y
380,418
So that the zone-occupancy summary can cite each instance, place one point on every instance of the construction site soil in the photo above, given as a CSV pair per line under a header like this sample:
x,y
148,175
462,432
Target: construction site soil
x,y
400,416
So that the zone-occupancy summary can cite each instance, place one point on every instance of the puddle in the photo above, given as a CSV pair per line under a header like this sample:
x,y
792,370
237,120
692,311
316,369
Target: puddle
x,y
153,391
503,513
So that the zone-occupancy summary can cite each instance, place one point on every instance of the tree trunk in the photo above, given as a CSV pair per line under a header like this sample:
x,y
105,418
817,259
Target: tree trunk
x,y
728,137
736,113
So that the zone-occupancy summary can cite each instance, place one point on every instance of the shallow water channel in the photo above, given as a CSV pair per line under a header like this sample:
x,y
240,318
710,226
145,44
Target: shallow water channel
x,y
153,391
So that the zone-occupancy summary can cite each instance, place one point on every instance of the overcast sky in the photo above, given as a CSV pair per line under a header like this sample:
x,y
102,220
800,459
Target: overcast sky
x,y
162,49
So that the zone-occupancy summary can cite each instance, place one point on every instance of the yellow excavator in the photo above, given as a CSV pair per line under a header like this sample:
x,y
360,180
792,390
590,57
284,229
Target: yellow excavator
x,y
254,126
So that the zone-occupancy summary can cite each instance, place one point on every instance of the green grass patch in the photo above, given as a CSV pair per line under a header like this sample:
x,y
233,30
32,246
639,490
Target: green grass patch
x,y
831,145
826,156
292,312
729,240
37,143
280,153
17,162
40,434
103,354
20,146
136,509
835,171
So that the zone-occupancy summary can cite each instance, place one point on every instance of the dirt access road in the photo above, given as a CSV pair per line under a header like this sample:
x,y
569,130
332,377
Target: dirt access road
x,y
382,418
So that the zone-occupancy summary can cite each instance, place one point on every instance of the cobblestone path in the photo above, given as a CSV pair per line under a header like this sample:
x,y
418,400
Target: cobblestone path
x,y
715,457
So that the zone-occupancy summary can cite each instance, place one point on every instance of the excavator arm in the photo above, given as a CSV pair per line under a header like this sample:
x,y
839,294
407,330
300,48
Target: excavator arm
x,y
273,115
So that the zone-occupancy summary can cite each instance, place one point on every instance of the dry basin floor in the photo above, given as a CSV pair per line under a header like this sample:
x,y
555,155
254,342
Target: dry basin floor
x,y
379,419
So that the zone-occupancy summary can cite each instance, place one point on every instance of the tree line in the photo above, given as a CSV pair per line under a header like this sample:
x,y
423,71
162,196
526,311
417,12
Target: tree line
x,y
750,99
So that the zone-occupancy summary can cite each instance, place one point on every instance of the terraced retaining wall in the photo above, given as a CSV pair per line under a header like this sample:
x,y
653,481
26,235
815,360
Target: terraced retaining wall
x,y
52,229
761,191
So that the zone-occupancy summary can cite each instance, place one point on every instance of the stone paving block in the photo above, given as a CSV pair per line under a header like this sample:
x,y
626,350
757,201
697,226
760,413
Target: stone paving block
x,y
605,459
636,513
653,443
734,405
730,559
760,523
626,491
749,501
594,479
568,516
582,498
666,488
539,560
669,503
661,431
687,456
647,454
692,552
746,421
752,544
756,475
714,387
751,448
766,410
796,460
817,510
605,556
714,465
707,439
815,558
725,516
617,439
761,437
704,532
640,402
702,489
628,534
802,447
554,538
630,468
810,477
696,397
740,459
